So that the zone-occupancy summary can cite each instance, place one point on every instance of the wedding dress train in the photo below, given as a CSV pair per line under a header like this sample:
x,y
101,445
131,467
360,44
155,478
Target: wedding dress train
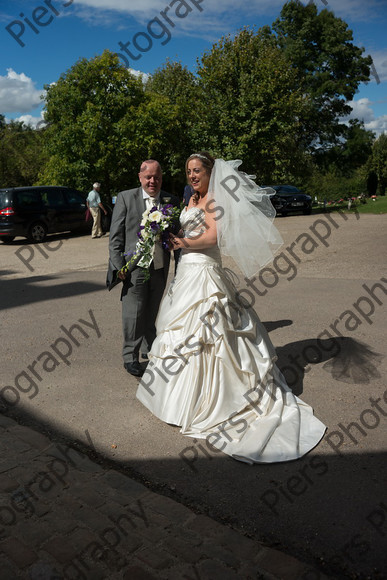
x,y
212,367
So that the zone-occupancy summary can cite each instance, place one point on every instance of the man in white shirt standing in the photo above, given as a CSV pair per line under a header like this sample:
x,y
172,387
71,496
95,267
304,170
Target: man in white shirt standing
x,y
140,299
94,204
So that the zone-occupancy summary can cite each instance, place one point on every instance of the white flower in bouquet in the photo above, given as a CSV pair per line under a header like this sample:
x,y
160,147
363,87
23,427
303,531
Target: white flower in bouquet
x,y
156,216
154,228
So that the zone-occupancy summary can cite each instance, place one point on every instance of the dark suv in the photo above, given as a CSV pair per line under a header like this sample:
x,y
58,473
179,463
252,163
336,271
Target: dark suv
x,y
33,212
288,198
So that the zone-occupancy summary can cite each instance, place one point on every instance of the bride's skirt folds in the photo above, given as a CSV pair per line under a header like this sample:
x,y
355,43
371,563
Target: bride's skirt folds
x,y
212,371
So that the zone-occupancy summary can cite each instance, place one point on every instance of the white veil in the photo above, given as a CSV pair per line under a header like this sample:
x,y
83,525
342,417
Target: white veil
x,y
244,217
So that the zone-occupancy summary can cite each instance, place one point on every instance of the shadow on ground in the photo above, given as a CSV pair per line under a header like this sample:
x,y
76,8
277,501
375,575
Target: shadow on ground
x,y
325,509
345,359
31,289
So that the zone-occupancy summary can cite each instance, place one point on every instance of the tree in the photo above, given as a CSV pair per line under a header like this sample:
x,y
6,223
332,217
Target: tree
x,y
251,107
91,111
372,183
21,154
357,147
379,162
330,185
351,153
177,88
328,66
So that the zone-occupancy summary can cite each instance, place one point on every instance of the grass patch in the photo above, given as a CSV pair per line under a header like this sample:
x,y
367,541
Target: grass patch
x,y
379,206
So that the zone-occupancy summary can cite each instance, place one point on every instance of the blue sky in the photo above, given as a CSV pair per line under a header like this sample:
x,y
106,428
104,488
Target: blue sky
x,y
56,33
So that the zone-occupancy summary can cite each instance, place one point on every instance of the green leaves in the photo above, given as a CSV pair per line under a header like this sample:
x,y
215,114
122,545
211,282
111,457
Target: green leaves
x,y
90,111
253,104
273,97
328,65
378,162
21,156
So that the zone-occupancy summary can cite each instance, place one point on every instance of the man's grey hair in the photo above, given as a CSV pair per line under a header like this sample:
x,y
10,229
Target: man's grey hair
x,y
96,184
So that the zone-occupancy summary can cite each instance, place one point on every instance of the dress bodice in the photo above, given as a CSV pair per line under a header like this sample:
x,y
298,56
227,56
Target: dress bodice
x,y
192,221
193,224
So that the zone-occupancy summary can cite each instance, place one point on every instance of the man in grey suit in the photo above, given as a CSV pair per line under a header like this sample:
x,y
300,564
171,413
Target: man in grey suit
x,y
140,300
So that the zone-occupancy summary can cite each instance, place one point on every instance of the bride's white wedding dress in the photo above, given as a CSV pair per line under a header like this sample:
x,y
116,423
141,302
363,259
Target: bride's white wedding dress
x,y
212,367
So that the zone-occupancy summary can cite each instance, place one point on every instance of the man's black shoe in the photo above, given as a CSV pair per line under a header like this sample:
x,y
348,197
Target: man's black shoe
x,y
134,368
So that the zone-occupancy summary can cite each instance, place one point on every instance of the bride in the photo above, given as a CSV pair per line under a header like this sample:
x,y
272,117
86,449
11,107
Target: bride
x,y
212,366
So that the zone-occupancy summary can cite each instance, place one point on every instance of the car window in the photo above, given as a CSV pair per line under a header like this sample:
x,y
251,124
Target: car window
x,y
75,198
54,198
28,199
4,199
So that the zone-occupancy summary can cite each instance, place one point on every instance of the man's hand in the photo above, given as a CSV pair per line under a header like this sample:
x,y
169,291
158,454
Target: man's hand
x,y
103,209
121,275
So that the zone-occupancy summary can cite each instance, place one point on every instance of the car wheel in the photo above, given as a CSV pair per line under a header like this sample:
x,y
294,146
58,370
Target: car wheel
x,y
307,211
284,213
7,239
37,232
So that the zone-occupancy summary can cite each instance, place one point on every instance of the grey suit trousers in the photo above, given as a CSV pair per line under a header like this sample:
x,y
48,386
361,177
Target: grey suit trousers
x,y
140,304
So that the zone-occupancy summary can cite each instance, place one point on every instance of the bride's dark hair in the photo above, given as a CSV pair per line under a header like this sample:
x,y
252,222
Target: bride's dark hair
x,y
208,163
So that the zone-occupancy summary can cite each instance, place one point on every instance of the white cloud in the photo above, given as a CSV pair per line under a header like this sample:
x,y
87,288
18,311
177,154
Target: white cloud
x,y
359,10
137,73
378,125
214,18
379,58
362,110
34,122
347,9
207,18
135,6
18,93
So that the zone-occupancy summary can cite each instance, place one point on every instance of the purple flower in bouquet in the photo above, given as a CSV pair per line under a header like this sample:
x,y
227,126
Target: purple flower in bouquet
x,y
154,228
167,210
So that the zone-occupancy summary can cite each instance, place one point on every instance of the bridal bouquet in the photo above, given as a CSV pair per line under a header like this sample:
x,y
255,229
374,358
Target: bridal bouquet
x,y
156,224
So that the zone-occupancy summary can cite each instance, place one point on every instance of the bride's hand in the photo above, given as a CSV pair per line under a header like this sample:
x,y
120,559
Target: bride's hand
x,y
176,242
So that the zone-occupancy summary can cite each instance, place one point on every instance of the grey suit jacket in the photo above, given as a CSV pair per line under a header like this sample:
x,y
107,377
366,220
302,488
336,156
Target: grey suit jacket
x,y
125,224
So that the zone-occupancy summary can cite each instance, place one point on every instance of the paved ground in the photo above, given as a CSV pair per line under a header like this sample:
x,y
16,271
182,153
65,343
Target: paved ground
x,y
327,509
64,516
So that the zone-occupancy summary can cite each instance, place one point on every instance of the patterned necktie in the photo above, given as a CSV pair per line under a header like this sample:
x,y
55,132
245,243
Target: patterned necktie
x,y
158,253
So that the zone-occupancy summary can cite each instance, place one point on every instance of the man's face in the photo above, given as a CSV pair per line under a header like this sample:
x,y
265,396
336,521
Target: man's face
x,y
151,179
